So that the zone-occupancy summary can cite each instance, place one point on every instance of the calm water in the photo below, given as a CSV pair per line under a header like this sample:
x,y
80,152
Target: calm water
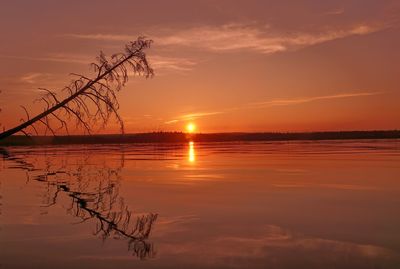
x,y
215,205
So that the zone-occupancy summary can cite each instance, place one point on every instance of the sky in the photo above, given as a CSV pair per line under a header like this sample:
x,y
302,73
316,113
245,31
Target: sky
x,y
224,65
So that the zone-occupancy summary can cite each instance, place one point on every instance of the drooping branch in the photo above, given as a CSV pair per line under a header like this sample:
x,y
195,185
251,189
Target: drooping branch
x,y
90,101
93,195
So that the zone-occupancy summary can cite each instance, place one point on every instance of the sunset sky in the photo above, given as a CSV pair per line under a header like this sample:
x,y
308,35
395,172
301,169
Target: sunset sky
x,y
224,65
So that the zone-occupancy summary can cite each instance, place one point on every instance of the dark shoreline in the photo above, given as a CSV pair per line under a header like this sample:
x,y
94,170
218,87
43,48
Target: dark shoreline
x,y
179,137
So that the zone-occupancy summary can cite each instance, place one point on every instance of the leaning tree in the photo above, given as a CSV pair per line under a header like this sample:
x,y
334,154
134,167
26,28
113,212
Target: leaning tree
x,y
89,101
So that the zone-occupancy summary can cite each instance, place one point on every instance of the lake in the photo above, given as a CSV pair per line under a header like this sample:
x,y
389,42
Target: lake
x,y
326,204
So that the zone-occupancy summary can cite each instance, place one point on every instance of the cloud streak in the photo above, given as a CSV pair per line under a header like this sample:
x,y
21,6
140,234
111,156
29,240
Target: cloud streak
x,y
61,58
302,100
334,12
234,37
271,103
33,78
264,40
156,61
104,37
193,116
171,64
223,39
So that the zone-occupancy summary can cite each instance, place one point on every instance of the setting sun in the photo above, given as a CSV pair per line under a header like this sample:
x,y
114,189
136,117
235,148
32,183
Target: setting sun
x,y
190,127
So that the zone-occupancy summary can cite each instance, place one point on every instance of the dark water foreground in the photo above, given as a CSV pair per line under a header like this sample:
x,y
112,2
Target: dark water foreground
x,y
202,205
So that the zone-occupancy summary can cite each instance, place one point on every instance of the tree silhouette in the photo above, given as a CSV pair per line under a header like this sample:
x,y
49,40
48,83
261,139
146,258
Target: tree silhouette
x,y
89,101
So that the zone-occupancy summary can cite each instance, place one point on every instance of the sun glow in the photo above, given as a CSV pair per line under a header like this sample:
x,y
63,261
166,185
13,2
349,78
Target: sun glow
x,y
190,127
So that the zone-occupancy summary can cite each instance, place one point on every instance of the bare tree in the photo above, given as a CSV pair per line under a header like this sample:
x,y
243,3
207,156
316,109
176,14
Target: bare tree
x,y
89,101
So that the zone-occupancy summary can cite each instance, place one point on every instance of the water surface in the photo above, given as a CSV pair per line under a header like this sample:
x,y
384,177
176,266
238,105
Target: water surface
x,y
331,204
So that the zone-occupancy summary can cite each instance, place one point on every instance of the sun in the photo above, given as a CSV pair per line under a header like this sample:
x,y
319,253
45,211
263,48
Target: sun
x,y
190,127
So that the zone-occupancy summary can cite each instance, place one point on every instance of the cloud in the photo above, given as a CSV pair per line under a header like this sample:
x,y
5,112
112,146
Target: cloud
x,y
171,121
222,38
104,37
233,37
199,114
334,12
193,116
33,78
271,103
244,37
62,58
156,61
302,100
171,64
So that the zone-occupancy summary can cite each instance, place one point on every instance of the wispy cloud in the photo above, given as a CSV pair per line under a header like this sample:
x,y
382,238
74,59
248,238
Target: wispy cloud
x,y
232,37
271,103
334,12
199,114
302,100
224,38
104,37
171,121
157,62
33,78
193,116
171,63
62,58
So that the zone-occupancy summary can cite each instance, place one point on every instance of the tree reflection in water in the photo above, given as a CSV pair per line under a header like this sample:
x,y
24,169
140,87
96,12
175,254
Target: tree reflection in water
x,y
93,191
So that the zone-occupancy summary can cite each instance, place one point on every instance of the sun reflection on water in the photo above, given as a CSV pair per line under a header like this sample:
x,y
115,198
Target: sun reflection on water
x,y
192,153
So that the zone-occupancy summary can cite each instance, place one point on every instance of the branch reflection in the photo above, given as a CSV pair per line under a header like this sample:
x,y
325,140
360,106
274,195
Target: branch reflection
x,y
93,191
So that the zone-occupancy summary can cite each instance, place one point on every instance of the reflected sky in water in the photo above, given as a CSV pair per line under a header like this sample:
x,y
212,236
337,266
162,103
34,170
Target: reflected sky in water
x,y
201,205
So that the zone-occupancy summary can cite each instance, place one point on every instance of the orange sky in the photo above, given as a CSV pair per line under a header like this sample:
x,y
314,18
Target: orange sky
x,y
224,65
